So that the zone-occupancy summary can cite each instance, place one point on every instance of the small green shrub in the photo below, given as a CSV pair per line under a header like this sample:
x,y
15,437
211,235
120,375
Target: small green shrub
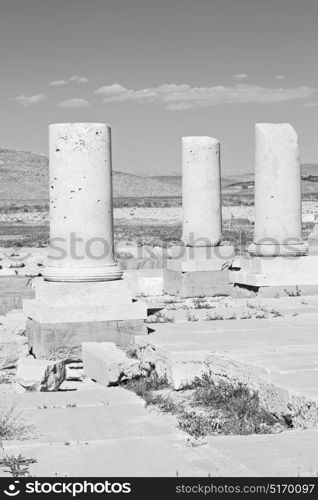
x,y
17,466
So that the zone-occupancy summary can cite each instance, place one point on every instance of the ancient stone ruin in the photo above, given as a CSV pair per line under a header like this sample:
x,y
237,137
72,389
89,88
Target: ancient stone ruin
x,y
82,295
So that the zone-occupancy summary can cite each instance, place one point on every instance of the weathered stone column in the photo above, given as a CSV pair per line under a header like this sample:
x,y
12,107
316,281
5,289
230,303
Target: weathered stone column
x,y
69,310
201,191
200,266
277,229
277,263
81,210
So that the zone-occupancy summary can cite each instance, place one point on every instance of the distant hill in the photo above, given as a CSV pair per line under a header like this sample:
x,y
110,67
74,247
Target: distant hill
x,y
309,169
24,177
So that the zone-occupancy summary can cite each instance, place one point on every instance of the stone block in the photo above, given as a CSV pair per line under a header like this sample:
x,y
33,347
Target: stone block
x,y
45,313
40,374
57,339
106,364
276,271
193,259
72,294
196,283
65,314
12,347
16,322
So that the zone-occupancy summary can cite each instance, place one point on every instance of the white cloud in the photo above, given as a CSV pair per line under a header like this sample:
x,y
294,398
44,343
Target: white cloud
x,y
180,106
311,104
78,79
180,97
280,77
57,83
240,76
114,89
29,100
74,102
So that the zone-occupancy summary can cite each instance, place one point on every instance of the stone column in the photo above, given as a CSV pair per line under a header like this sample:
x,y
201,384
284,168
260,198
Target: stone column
x,y
201,192
81,211
277,229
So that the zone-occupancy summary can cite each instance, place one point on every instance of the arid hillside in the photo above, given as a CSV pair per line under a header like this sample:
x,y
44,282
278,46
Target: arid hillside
x,y
24,178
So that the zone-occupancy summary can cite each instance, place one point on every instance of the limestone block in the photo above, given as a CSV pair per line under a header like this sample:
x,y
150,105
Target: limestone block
x,y
55,340
106,364
276,271
150,286
74,371
45,313
16,322
186,259
12,347
196,284
7,272
81,293
40,374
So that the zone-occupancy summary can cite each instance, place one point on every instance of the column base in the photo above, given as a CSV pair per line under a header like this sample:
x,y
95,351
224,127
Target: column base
x,y
191,259
198,271
263,250
292,274
69,274
58,340
196,283
63,315
313,242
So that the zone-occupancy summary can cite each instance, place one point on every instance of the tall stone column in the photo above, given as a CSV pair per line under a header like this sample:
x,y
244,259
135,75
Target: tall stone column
x,y
200,266
277,263
277,225
201,192
81,297
81,208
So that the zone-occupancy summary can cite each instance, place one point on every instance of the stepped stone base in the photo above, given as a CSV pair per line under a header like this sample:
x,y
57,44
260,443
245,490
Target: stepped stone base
x,y
63,315
273,275
54,339
192,259
196,283
198,271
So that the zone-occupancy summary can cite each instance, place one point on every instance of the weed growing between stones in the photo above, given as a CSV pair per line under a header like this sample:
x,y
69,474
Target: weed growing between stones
x,y
201,303
209,408
191,316
159,317
143,386
213,317
235,409
11,424
293,293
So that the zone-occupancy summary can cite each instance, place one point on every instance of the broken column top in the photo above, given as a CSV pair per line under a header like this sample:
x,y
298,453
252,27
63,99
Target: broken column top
x,y
276,132
277,221
79,124
200,140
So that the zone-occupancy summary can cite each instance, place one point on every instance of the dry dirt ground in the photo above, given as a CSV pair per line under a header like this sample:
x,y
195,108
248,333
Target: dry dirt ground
x,y
153,226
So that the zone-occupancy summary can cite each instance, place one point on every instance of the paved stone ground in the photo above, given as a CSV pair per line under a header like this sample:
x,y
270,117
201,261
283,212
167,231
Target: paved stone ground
x,y
108,432
102,431
281,350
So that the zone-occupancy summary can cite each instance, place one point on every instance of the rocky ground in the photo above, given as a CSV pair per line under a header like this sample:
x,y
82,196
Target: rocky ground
x,y
165,400
155,215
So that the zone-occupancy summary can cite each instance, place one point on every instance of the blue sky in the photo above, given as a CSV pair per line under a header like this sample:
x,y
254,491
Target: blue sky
x,y
156,70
